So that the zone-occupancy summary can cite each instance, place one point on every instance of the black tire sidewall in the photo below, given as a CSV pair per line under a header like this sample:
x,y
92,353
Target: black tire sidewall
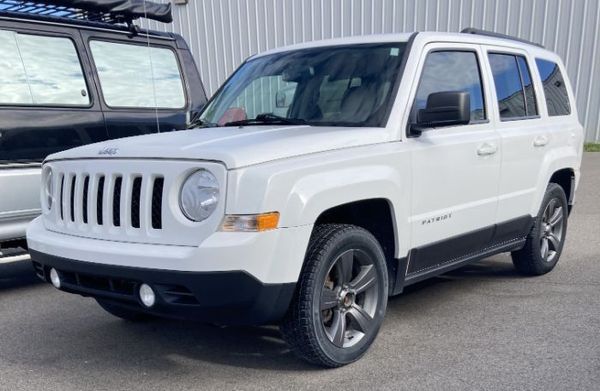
x,y
553,192
358,240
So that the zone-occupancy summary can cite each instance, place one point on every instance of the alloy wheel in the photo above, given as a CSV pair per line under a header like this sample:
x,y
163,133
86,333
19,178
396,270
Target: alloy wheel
x,y
349,298
552,227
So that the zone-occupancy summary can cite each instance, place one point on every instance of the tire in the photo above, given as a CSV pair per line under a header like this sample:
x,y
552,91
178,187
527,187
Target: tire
x,y
337,310
123,312
545,242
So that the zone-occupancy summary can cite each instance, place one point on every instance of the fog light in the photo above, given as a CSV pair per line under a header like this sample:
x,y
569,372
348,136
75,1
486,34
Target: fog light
x,y
55,278
147,295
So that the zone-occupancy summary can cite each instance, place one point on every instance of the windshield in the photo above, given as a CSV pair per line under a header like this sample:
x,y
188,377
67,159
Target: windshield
x,y
325,86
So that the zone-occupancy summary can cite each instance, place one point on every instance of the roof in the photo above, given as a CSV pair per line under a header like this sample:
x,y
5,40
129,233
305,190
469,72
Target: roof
x,y
426,36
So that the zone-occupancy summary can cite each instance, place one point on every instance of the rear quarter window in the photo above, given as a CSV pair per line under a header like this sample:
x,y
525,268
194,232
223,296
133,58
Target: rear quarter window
x,y
555,90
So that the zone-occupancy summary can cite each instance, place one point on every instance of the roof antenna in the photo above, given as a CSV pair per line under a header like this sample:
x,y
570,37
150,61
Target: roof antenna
x,y
152,73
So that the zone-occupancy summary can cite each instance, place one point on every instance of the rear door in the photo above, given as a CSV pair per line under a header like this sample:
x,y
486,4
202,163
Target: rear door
x,y
455,168
524,135
48,103
142,84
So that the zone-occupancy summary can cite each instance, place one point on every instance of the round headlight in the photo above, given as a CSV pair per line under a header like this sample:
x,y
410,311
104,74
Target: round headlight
x,y
48,189
199,195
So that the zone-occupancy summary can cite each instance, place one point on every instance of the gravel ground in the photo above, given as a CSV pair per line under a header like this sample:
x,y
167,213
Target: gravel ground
x,y
481,327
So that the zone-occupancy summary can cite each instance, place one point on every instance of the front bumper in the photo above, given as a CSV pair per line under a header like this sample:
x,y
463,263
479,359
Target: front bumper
x,y
232,297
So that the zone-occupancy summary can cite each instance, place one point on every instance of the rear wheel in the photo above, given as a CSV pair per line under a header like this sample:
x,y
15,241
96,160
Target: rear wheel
x,y
123,312
341,297
546,239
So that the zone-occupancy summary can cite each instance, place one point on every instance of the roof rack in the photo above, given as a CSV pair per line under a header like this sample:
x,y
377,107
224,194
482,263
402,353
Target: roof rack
x,y
472,30
99,11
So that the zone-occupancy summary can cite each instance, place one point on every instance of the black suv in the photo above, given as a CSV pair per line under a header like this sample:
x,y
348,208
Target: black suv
x,y
78,72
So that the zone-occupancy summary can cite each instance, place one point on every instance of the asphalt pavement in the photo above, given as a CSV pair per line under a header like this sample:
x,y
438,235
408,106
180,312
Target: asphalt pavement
x,y
481,327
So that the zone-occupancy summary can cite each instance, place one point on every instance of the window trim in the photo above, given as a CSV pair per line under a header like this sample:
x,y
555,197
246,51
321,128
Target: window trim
x,y
535,92
560,69
481,79
184,83
90,95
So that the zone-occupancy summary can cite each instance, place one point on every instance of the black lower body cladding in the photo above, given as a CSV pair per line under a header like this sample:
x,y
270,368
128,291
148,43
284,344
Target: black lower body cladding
x,y
231,297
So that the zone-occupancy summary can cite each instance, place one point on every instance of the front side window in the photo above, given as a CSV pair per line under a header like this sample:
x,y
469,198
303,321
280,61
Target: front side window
x,y
555,90
38,70
514,89
452,71
138,76
332,86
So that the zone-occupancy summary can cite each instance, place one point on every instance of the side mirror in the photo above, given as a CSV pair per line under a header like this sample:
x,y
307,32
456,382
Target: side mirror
x,y
447,108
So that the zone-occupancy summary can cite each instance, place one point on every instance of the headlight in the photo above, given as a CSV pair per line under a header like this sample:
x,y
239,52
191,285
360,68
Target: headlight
x,y
199,195
48,189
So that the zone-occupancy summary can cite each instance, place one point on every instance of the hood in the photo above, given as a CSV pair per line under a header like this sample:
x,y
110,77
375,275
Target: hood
x,y
234,146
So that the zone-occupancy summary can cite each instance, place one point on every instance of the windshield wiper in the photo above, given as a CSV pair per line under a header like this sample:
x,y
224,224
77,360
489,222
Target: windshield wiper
x,y
267,119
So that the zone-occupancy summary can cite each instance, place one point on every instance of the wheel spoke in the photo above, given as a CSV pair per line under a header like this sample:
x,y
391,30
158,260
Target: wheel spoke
x,y
360,318
544,249
556,217
329,299
365,279
337,331
550,209
344,265
554,240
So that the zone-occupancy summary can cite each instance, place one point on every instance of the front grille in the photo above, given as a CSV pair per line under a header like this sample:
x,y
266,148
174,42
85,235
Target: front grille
x,y
117,202
96,200
157,192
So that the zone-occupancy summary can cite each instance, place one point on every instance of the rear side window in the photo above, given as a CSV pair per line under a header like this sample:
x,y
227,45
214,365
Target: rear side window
x,y
555,90
39,70
138,76
452,71
514,89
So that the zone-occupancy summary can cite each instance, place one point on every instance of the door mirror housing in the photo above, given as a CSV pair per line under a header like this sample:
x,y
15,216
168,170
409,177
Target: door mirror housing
x,y
447,108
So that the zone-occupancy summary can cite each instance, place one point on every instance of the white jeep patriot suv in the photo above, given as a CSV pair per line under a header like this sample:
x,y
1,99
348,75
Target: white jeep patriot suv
x,y
321,179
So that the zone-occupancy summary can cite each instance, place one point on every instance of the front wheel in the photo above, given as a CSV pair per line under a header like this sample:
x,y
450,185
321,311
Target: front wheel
x,y
341,297
546,239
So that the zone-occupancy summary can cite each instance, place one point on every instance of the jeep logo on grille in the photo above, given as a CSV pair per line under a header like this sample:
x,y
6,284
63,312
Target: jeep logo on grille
x,y
108,151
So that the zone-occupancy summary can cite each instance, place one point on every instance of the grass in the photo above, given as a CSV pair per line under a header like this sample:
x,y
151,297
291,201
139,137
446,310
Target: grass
x,y
591,147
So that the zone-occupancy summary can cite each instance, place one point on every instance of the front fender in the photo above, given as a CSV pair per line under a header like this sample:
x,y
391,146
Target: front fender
x,y
303,188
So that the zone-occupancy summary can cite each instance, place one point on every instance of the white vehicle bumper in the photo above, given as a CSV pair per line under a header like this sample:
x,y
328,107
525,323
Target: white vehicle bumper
x,y
244,278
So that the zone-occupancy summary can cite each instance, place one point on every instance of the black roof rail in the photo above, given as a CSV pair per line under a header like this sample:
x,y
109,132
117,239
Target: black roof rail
x,y
472,30
96,11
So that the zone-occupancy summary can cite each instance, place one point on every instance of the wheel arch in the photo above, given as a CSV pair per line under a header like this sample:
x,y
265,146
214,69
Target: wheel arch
x,y
565,178
375,215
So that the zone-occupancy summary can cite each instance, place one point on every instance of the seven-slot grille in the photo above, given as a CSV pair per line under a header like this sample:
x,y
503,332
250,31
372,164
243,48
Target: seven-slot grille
x,y
110,199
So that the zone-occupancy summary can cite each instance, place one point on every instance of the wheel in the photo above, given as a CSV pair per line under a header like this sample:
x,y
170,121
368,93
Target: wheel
x,y
341,296
123,312
546,239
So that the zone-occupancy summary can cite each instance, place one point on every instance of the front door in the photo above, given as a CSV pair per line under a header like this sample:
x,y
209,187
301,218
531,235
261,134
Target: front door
x,y
455,169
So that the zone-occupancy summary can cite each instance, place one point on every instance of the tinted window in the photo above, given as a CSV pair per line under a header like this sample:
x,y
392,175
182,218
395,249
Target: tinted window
x,y
40,71
452,71
530,101
557,99
509,91
138,76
